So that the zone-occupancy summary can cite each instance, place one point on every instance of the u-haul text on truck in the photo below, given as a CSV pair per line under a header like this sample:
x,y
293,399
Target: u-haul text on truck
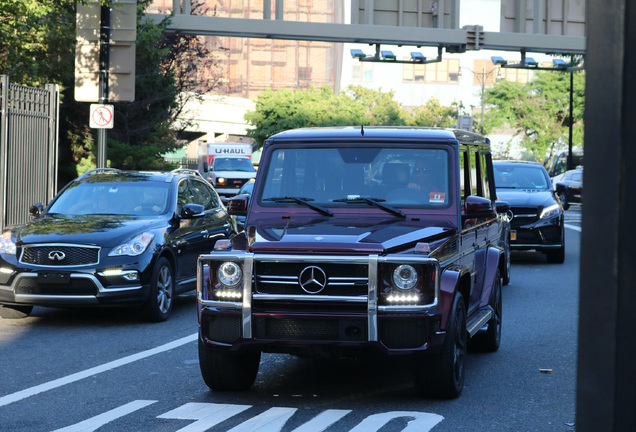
x,y
229,166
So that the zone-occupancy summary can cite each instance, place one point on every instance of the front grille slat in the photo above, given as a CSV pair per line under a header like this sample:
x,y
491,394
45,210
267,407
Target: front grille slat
x,y
284,278
60,255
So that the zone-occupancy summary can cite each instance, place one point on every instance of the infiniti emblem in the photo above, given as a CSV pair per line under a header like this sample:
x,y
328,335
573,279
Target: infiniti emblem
x,y
57,255
312,279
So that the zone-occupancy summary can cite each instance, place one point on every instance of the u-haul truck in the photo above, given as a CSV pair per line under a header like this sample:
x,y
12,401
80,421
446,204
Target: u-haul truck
x,y
229,166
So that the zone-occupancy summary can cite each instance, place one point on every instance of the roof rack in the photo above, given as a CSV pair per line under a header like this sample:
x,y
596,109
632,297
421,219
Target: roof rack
x,y
174,172
97,171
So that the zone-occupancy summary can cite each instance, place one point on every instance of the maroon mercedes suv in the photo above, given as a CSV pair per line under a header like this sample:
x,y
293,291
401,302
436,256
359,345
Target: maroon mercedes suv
x,y
360,241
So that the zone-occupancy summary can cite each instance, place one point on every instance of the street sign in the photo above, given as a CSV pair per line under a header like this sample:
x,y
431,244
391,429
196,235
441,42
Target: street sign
x,y
101,116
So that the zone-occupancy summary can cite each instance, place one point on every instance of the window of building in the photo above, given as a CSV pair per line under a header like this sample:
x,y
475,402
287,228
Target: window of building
x,y
362,72
444,72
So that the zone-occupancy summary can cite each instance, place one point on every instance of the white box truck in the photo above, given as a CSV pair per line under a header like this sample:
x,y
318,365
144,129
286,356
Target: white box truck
x,y
229,166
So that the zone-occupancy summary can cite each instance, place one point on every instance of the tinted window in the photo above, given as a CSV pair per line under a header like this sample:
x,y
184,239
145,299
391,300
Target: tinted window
x,y
416,177
521,177
203,195
233,164
113,197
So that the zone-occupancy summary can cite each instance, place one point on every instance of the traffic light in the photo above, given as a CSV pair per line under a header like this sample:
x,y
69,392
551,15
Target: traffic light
x,y
121,51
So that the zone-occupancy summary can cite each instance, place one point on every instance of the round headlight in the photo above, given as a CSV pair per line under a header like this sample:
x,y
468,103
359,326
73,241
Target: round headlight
x,y
404,277
229,273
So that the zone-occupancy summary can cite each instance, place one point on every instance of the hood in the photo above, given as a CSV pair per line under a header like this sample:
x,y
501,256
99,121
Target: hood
x,y
526,197
106,231
345,235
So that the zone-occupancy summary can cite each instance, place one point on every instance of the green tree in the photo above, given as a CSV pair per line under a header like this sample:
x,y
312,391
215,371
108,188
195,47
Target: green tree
x,y
280,110
434,114
538,111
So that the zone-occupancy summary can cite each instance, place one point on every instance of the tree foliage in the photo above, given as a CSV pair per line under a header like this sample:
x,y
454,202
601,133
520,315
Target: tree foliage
x,y
280,110
538,111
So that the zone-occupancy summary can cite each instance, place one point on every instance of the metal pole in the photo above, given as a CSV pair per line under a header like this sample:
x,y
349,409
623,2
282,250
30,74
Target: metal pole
x,y
104,60
571,121
483,84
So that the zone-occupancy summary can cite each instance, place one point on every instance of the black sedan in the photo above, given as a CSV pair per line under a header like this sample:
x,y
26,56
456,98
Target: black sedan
x,y
570,188
112,238
537,214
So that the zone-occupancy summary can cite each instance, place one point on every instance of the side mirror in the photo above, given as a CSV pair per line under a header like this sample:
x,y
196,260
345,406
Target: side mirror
x,y
502,207
206,167
478,207
237,206
192,211
36,210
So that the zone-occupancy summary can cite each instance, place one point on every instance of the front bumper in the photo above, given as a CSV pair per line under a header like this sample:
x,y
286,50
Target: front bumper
x,y
69,289
313,324
540,235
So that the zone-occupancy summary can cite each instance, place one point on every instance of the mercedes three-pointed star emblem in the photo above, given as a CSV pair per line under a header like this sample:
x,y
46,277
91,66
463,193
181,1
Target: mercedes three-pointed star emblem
x,y
312,279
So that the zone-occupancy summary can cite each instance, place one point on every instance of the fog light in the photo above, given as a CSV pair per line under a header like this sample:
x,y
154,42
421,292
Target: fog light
x,y
129,275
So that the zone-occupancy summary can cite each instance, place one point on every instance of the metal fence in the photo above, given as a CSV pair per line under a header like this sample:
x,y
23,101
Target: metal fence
x,y
191,163
28,148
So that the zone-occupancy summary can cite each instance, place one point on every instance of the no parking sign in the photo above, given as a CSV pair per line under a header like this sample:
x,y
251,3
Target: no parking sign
x,y
101,116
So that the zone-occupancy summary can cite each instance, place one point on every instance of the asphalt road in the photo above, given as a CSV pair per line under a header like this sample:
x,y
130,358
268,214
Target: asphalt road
x,y
105,370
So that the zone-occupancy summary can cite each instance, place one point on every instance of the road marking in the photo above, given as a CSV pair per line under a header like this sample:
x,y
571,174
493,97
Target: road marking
x,y
23,394
421,422
94,423
207,415
573,227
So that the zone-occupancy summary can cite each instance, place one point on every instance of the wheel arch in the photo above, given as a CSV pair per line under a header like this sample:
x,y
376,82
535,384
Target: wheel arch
x,y
454,280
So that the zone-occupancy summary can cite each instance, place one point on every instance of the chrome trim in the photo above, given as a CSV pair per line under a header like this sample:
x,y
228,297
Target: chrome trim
x,y
248,266
372,317
223,304
96,281
536,246
286,297
99,249
25,298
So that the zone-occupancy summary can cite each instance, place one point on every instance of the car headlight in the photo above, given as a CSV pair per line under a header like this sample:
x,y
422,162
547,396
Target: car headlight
x,y
404,277
229,274
134,247
7,245
550,212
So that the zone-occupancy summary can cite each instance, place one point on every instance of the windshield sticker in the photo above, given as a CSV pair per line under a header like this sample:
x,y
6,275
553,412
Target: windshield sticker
x,y
437,197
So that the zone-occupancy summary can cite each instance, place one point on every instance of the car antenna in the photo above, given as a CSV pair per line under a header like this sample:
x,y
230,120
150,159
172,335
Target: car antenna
x,y
362,130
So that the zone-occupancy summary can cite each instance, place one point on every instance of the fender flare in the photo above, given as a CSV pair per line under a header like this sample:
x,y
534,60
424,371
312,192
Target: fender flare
x,y
451,281
493,257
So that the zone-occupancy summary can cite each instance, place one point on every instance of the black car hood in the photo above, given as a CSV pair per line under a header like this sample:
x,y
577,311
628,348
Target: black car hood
x,y
345,235
106,231
526,197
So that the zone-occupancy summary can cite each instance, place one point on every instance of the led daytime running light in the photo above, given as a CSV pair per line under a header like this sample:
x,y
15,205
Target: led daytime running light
x,y
228,295
402,298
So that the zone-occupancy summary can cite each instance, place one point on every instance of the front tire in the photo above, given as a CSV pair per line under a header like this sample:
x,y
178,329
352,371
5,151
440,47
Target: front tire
x,y
159,304
227,371
564,201
442,375
556,256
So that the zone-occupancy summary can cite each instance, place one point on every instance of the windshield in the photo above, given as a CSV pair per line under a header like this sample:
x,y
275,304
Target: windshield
x,y
113,198
233,164
520,177
359,176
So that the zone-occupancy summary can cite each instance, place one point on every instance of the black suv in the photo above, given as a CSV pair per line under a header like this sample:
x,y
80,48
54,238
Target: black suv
x,y
112,238
360,241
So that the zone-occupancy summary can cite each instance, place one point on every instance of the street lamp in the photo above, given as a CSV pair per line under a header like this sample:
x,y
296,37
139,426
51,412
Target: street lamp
x,y
483,75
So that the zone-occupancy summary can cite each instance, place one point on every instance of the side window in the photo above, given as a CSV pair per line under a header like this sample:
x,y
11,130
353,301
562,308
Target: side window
x,y
475,180
464,174
484,163
184,195
203,195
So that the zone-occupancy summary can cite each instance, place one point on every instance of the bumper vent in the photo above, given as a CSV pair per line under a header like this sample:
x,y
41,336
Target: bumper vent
x,y
400,334
225,329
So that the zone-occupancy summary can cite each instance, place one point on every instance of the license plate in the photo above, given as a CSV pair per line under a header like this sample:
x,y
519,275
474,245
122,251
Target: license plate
x,y
513,235
54,278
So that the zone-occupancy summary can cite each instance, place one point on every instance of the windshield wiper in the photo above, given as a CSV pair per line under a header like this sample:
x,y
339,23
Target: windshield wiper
x,y
373,201
303,201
